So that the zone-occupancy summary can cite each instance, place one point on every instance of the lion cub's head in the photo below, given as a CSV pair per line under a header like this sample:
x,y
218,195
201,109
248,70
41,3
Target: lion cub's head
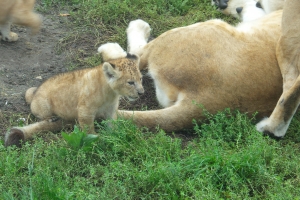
x,y
122,71
124,77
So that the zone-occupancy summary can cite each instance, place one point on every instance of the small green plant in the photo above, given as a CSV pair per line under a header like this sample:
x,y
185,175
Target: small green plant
x,y
79,139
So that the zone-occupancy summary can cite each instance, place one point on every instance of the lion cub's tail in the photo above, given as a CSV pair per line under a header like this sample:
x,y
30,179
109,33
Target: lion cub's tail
x,y
29,94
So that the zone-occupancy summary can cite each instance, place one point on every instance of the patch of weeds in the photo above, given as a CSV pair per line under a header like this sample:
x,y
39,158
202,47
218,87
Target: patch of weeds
x,y
226,126
293,130
79,139
95,22
237,161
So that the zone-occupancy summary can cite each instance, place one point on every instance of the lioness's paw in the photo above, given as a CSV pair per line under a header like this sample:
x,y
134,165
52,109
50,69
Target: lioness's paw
x,y
14,137
264,127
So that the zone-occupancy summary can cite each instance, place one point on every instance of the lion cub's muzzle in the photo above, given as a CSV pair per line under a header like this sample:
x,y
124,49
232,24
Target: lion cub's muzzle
x,y
221,4
139,91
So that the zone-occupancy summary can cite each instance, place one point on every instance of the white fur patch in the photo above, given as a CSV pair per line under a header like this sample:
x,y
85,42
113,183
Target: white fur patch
x,y
161,96
279,130
138,33
161,92
250,12
110,51
261,126
249,26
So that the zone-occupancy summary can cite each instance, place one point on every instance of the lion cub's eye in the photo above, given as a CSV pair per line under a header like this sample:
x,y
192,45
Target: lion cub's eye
x,y
131,82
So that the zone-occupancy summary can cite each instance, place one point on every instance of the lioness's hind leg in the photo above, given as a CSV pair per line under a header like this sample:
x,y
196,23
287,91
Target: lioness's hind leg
x,y
286,60
7,35
288,57
280,119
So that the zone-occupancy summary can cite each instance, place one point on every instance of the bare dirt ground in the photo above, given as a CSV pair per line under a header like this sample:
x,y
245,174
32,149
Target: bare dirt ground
x,y
27,63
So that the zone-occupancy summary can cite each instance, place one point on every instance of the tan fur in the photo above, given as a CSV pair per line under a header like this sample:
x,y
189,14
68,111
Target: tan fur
x,y
17,12
81,95
288,55
212,64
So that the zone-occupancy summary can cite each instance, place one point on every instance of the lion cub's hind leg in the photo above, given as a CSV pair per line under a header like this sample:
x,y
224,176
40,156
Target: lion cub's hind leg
x,y
17,135
41,108
39,104
29,94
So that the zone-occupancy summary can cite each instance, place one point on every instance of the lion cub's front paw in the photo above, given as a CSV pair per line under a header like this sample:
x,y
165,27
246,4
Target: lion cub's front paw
x,y
14,137
11,38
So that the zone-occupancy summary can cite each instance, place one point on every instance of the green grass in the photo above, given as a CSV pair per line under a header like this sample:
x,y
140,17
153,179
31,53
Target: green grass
x,y
226,158
98,21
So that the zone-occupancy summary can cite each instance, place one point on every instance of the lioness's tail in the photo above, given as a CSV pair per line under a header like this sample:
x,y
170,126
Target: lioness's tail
x,y
29,94
176,117
138,33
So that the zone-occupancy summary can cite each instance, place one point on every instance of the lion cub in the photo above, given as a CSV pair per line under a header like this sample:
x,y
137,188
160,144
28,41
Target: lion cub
x,y
82,95
17,12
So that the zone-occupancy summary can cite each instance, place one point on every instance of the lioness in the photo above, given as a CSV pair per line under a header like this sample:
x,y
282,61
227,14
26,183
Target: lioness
x,y
81,95
211,64
288,55
17,12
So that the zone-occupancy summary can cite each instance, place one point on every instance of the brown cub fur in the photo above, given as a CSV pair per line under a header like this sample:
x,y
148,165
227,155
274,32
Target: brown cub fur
x,y
17,12
82,95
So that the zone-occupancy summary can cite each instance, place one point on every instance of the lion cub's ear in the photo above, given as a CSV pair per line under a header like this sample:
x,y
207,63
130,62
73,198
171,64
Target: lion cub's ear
x,y
110,71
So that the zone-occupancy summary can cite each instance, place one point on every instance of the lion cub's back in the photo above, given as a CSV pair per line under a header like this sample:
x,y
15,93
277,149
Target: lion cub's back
x,y
66,87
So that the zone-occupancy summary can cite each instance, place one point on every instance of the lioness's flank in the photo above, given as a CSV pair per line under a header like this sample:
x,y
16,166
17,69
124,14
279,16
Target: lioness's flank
x,y
17,12
82,95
